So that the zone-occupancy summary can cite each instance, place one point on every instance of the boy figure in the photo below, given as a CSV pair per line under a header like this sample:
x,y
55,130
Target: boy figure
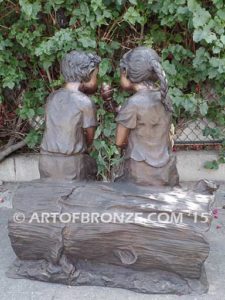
x,y
144,121
71,121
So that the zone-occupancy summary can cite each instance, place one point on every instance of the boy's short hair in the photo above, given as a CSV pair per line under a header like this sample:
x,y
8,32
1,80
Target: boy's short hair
x,y
78,66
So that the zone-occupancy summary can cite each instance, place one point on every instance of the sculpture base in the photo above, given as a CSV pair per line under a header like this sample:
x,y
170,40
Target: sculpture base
x,y
141,254
99,274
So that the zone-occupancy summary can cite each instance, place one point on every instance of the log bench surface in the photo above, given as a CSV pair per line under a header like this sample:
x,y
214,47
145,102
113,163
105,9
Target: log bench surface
x,y
141,250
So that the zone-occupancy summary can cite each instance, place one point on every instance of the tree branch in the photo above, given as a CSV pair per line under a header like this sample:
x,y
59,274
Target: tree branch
x,y
11,149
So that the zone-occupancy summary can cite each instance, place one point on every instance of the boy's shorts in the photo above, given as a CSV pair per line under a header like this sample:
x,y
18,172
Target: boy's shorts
x,y
73,167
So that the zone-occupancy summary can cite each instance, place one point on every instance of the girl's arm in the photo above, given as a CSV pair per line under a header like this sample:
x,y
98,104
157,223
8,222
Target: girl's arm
x,y
122,134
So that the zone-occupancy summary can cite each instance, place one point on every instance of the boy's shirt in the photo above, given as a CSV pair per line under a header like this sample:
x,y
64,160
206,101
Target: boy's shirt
x,y
67,113
148,140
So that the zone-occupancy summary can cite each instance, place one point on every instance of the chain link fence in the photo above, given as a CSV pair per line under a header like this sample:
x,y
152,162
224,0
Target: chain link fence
x,y
199,131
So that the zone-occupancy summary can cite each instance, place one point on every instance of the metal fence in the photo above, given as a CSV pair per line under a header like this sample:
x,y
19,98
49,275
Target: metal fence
x,y
195,132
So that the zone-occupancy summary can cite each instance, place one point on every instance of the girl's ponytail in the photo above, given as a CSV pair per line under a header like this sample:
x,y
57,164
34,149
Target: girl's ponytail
x,y
163,84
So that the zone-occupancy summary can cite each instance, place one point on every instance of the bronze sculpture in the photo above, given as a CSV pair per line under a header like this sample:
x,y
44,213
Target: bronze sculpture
x,y
71,121
142,254
144,121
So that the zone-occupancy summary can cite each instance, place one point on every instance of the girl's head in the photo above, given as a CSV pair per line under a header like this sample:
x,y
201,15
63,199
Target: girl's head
x,y
142,65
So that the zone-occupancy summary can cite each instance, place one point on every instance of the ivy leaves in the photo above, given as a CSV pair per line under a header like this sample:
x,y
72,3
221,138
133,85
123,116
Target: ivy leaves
x,y
200,17
61,42
95,14
207,28
105,66
30,9
204,34
191,103
133,16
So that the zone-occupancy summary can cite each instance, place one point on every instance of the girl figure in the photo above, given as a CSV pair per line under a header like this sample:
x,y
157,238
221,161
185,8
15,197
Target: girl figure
x,y
144,121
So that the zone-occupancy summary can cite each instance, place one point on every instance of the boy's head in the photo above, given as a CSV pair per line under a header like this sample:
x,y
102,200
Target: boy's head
x,y
81,67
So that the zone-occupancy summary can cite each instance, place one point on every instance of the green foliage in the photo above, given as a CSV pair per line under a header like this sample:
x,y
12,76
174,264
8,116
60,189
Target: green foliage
x,y
217,134
212,165
189,34
33,138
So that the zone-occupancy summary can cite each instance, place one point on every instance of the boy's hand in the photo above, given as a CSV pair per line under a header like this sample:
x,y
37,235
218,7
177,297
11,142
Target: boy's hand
x,y
89,133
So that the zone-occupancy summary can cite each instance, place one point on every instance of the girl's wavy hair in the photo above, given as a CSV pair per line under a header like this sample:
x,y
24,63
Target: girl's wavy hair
x,y
78,66
142,64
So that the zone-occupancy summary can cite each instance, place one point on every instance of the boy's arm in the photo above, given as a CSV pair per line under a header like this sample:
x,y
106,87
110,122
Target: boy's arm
x,y
89,121
90,133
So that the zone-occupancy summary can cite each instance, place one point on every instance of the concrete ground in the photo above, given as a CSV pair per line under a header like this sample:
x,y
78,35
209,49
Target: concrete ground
x,y
21,289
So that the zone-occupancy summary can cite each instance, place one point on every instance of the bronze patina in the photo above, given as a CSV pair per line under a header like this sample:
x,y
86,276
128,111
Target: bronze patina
x,y
70,121
128,244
